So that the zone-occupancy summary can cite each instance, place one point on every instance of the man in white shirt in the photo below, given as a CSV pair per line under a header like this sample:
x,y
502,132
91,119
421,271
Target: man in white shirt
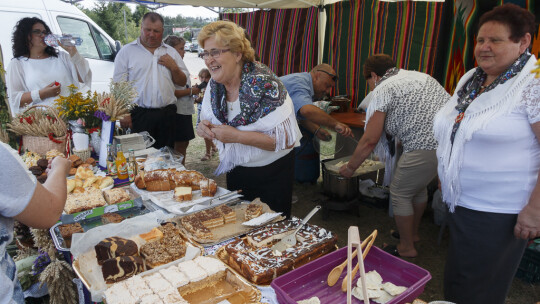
x,y
155,68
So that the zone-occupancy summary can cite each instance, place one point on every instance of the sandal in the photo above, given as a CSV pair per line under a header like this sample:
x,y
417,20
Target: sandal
x,y
206,157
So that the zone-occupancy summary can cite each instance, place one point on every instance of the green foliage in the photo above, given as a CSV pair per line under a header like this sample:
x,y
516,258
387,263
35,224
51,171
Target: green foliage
x,y
187,36
110,17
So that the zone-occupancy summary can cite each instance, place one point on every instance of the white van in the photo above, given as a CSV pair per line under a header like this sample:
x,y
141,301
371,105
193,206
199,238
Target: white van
x,y
63,18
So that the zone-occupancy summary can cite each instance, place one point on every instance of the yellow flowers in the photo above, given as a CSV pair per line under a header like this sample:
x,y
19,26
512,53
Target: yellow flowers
x,y
76,105
537,69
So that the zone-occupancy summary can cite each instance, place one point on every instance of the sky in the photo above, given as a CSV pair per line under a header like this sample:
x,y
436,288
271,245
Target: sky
x,y
170,10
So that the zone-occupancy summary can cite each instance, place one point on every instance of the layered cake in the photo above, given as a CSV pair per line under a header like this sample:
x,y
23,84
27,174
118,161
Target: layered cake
x,y
200,223
171,246
169,284
115,247
121,268
252,211
253,258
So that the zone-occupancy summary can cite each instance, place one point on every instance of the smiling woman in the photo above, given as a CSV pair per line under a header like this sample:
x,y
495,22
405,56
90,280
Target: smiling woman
x,y
249,115
489,160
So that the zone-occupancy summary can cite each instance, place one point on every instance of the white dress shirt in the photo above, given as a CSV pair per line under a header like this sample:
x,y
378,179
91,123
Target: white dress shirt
x,y
153,81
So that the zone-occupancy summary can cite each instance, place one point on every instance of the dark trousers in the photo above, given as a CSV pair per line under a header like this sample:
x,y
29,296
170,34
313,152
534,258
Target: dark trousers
x,y
483,256
273,183
158,122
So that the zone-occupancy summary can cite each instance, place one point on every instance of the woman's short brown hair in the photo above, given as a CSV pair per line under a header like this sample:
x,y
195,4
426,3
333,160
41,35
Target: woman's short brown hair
x,y
230,35
378,64
519,20
173,40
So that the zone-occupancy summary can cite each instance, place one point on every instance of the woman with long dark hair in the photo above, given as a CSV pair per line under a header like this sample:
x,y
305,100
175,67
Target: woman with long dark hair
x,y
38,73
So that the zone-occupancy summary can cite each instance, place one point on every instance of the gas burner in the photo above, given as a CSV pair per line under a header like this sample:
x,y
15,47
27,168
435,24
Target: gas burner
x,y
331,204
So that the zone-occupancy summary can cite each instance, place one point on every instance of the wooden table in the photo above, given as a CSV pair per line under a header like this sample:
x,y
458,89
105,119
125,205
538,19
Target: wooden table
x,y
352,119
356,122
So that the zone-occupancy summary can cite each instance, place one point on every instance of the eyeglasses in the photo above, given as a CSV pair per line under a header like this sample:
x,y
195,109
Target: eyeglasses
x,y
334,77
215,53
39,32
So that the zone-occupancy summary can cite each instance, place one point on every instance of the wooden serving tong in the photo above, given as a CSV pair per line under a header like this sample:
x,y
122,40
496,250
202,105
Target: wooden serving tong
x,y
334,275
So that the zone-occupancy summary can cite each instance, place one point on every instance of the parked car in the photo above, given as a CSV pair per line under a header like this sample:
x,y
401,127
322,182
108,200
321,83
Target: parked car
x,y
63,18
187,47
200,51
194,47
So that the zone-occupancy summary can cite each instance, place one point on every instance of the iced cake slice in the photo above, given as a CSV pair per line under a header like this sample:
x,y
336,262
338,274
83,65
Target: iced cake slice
x,y
119,294
137,286
252,211
229,216
174,276
157,283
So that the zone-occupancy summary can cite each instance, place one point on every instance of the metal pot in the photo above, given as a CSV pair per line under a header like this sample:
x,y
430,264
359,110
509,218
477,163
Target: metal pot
x,y
339,187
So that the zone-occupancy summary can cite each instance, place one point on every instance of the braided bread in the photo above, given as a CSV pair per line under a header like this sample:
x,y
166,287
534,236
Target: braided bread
x,y
168,179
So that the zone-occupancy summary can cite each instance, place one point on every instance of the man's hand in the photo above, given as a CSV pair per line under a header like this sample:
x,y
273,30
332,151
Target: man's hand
x,y
167,61
204,129
323,135
126,122
343,129
528,223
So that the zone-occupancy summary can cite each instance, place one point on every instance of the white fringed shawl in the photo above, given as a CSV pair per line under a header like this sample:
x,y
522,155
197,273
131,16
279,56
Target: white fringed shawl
x,y
393,87
487,106
280,124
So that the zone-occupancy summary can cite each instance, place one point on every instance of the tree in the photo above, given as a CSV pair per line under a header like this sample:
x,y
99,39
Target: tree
x,y
110,17
140,10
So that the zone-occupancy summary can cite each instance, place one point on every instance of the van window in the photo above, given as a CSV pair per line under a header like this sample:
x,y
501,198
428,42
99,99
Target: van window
x,y
11,18
97,48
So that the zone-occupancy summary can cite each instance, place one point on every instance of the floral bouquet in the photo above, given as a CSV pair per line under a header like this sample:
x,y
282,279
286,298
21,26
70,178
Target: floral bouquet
x,y
117,103
77,107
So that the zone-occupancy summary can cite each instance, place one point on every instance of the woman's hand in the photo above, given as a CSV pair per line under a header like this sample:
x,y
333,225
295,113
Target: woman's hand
x,y
71,49
195,90
204,130
225,133
53,89
528,223
346,171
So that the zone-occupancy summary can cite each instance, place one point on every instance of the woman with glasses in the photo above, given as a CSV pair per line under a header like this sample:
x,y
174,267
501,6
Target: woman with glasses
x,y
402,108
38,73
247,112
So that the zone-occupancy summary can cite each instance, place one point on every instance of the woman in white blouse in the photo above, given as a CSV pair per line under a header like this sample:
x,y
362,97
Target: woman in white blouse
x,y
489,160
247,112
38,73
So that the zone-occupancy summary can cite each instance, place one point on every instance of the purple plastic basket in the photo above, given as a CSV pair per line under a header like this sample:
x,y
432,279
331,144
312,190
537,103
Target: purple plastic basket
x,y
310,280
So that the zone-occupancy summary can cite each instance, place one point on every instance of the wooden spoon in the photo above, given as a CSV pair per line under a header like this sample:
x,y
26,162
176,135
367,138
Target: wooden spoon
x,y
334,275
371,239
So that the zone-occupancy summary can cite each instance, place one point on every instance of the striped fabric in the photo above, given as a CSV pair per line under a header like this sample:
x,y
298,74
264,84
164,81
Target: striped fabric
x,y
356,29
285,39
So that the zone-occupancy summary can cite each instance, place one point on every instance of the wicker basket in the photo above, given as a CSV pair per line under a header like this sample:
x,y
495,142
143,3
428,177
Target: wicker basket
x,y
42,144
83,154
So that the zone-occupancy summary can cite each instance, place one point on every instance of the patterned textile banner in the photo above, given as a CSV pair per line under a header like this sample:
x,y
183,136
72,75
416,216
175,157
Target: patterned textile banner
x,y
285,39
407,31
460,57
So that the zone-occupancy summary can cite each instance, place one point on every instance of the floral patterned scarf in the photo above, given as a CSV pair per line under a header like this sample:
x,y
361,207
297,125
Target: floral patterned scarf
x,y
473,88
261,92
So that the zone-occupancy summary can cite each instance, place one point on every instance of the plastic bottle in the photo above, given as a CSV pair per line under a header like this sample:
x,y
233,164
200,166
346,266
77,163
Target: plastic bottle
x,y
111,162
121,163
66,39
132,166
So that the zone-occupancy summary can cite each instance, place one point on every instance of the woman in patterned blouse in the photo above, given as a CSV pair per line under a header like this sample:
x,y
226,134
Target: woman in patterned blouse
x,y
402,108
489,160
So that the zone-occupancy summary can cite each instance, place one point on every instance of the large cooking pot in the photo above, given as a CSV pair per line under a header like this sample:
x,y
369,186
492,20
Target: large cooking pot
x,y
339,187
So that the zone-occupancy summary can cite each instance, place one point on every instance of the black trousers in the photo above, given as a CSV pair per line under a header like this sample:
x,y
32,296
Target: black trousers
x,y
483,256
273,183
158,122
